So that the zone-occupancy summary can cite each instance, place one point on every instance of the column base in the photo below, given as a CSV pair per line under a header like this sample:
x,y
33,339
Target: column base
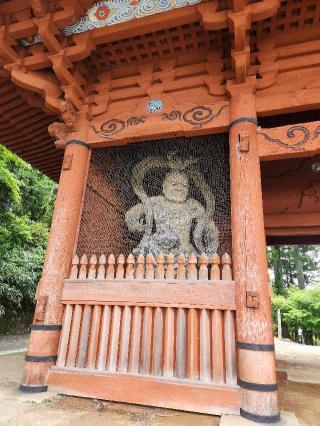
x,y
286,419
33,389
35,376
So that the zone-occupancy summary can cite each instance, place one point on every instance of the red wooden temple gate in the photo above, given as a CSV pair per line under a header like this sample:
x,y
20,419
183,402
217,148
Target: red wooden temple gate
x,y
141,331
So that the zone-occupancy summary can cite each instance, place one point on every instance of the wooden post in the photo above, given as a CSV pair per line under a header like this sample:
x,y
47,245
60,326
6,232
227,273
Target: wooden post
x,y
45,331
255,344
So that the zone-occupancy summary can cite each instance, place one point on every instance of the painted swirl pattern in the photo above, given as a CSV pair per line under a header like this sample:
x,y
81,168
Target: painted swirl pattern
x,y
197,116
297,136
111,12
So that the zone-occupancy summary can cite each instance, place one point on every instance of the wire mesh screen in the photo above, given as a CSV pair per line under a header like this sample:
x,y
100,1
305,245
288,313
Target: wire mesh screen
x,y
166,196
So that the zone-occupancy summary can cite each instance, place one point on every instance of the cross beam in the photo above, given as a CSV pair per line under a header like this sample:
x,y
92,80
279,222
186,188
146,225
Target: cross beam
x,y
299,140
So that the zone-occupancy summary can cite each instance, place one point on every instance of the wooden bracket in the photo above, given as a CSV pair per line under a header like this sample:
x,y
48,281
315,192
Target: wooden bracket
x,y
41,307
252,299
244,144
67,162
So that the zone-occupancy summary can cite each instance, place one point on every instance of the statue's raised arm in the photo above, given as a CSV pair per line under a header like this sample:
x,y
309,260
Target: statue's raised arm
x,y
136,219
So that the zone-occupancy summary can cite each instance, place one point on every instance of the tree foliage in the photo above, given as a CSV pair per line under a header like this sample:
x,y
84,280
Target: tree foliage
x,y
293,265
300,309
26,205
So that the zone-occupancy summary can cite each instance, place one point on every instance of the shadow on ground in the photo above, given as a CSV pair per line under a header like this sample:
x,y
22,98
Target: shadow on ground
x,y
47,409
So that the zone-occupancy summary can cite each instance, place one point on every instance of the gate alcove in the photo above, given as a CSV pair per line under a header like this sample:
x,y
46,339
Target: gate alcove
x,y
109,193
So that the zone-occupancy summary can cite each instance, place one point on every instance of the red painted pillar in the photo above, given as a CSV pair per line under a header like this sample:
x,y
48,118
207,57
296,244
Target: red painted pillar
x,y
45,331
255,344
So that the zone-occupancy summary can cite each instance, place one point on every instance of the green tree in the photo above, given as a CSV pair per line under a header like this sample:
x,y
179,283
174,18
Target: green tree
x,y
26,205
293,265
275,258
300,309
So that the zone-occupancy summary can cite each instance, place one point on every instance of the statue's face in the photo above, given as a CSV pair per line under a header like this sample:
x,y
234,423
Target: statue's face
x,y
176,187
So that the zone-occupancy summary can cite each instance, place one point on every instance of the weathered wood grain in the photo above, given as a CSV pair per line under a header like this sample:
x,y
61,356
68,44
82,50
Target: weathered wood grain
x,y
218,295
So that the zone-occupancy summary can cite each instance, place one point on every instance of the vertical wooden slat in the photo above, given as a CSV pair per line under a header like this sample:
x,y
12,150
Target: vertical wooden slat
x,y
203,267
110,268
130,267
149,267
94,337
169,341
74,268
215,268
101,272
135,341
120,267
84,335
146,341
181,344
205,369
160,267
226,267
217,353
83,267
181,337
192,267
74,336
124,339
170,267
114,339
156,369
104,338
64,338
230,349
140,267
193,345
92,267
181,271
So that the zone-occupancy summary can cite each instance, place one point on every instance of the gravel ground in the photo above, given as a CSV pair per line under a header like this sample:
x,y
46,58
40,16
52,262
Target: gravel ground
x,y
49,409
12,344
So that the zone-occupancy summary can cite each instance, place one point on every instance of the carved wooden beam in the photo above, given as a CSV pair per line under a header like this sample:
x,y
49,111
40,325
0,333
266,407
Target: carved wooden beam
x,y
299,140
7,53
213,19
38,82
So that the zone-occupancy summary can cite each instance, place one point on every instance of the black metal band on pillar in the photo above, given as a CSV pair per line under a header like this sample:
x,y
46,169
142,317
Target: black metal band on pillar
x,y
33,389
255,347
259,419
46,327
260,387
76,142
33,358
243,120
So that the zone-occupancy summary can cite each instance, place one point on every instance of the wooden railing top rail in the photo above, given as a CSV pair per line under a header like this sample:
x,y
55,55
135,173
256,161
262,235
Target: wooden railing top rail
x,y
221,295
202,268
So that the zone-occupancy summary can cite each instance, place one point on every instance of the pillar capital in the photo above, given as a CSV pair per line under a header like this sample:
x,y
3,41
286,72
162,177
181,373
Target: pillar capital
x,y
248,88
